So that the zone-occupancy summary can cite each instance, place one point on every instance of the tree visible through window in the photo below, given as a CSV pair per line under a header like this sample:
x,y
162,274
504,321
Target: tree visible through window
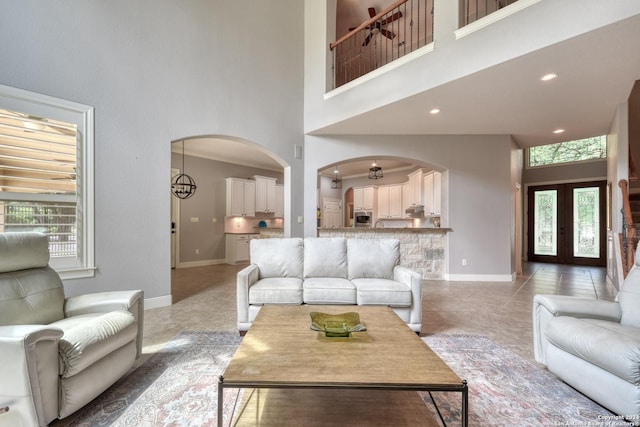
x,y
568,152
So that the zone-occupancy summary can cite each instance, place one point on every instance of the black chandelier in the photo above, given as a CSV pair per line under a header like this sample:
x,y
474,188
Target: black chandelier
x,y
182,185
375,171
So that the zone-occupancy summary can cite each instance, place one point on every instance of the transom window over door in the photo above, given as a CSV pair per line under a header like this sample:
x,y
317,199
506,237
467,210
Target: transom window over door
x,y
566,223
46,175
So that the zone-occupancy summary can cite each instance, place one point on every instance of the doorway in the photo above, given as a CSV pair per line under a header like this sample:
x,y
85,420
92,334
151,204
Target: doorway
x,y
566,223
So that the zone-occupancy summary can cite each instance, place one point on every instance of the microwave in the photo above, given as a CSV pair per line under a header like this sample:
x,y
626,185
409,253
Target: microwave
x,y
362,220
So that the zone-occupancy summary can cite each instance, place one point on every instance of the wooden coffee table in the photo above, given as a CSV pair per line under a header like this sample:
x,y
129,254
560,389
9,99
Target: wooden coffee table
x,y
280,351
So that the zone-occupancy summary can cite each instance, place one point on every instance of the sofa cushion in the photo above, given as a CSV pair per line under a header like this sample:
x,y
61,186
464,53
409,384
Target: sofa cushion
x,y
325,257
278,257
90,337
629,298
382,292
608,345
374,258
276,290
328,290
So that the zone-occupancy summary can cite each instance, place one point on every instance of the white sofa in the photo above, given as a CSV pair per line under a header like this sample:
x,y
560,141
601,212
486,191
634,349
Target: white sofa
x,y
594,345
330,271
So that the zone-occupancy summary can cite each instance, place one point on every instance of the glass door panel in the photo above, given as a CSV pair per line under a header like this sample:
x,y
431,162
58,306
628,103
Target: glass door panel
x,y
546,222
586,222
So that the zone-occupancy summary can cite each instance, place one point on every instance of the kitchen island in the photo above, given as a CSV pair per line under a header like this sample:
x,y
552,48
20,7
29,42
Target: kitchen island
x,y
421,249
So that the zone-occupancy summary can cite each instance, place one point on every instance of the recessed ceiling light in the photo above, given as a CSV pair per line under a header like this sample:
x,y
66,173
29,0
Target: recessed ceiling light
x,y
434,111
558,131
548,77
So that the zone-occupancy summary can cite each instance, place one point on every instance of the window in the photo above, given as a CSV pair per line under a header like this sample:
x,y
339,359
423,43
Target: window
x,y
568,152
46,175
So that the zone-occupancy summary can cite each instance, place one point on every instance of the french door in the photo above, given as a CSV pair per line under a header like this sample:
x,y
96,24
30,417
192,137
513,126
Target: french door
x,y
566,223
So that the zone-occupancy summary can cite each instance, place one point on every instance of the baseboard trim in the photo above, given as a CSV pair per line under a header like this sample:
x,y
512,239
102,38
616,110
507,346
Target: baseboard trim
x,y
202,263
157,302
479,277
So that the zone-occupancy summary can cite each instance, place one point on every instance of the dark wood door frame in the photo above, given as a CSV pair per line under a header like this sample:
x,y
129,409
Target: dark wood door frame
x,y
565,231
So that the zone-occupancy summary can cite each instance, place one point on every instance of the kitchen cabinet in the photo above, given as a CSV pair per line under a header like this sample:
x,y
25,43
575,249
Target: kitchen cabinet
x,y
237,247
390,202
413,189
279,201
432,193
265,194
241,197
365,199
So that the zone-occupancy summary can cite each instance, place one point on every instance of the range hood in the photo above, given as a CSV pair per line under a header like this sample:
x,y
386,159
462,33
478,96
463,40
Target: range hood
x,y
416,209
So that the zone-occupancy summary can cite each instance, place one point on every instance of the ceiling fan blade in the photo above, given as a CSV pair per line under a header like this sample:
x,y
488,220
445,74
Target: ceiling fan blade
x,y
392,18
372,12
387,34
367,40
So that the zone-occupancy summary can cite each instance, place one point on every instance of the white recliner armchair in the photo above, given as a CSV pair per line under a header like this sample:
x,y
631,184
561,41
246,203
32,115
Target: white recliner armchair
x,y
594,345
56,353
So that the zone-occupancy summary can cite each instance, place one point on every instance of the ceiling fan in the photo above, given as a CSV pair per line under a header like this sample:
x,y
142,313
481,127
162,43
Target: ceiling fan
x,y
376,27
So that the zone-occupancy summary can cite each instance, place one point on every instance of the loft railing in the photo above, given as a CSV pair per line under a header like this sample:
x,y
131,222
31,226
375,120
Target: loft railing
x,y
472,10
402,28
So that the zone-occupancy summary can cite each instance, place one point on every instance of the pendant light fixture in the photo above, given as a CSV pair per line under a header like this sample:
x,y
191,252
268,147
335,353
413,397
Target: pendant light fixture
x,y
182,185
375,171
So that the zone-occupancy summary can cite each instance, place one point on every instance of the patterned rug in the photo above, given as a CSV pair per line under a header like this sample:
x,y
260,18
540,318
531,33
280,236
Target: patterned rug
x,y
177,386
506,390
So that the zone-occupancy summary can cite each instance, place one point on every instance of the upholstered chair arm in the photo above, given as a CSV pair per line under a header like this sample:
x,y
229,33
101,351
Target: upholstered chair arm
x,y
29,373
104,302
545,307
413,280
245,279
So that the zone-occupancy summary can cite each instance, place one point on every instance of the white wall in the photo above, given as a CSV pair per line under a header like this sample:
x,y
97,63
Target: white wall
x,y
158,71
479,197
618,168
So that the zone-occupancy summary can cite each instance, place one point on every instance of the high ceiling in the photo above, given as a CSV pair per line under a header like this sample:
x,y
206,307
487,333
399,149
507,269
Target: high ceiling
x,y
596,72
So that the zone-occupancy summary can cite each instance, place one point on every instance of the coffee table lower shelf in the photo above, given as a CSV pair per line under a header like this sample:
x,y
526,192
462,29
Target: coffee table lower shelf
x,y
462,388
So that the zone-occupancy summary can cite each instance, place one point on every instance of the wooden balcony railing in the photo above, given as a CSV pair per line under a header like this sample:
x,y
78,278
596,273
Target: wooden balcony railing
x,y
402,28
472,10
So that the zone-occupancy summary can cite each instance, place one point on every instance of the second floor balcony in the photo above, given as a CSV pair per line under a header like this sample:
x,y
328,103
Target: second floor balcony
x,y
399,29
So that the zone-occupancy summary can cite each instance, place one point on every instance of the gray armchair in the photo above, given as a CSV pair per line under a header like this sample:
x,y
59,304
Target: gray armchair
x,y
594,345
56,353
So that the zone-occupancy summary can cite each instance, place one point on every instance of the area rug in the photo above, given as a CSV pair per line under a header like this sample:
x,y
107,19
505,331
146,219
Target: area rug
x,y
177,386
506,390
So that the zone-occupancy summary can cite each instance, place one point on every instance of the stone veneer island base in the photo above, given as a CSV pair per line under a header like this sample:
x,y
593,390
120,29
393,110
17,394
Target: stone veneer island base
x,y
421,249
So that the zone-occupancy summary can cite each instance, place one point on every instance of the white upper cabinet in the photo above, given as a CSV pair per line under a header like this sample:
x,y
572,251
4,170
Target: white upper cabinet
x,y
413,190
390,201
265,194
241,197
433,193
364,198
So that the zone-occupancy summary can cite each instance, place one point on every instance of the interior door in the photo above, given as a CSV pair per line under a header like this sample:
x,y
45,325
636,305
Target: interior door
x,y
567,223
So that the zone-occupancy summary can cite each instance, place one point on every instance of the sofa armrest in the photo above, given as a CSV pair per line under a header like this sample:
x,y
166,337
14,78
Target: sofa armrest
x,y
244,280
546,307
29,372
562,305
104,302
413,280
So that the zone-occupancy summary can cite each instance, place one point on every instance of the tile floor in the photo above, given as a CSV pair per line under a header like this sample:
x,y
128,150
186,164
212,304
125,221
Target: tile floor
x,y
204,299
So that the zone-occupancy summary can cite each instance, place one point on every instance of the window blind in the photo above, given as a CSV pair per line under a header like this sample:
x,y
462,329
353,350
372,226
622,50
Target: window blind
x,y
37,155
